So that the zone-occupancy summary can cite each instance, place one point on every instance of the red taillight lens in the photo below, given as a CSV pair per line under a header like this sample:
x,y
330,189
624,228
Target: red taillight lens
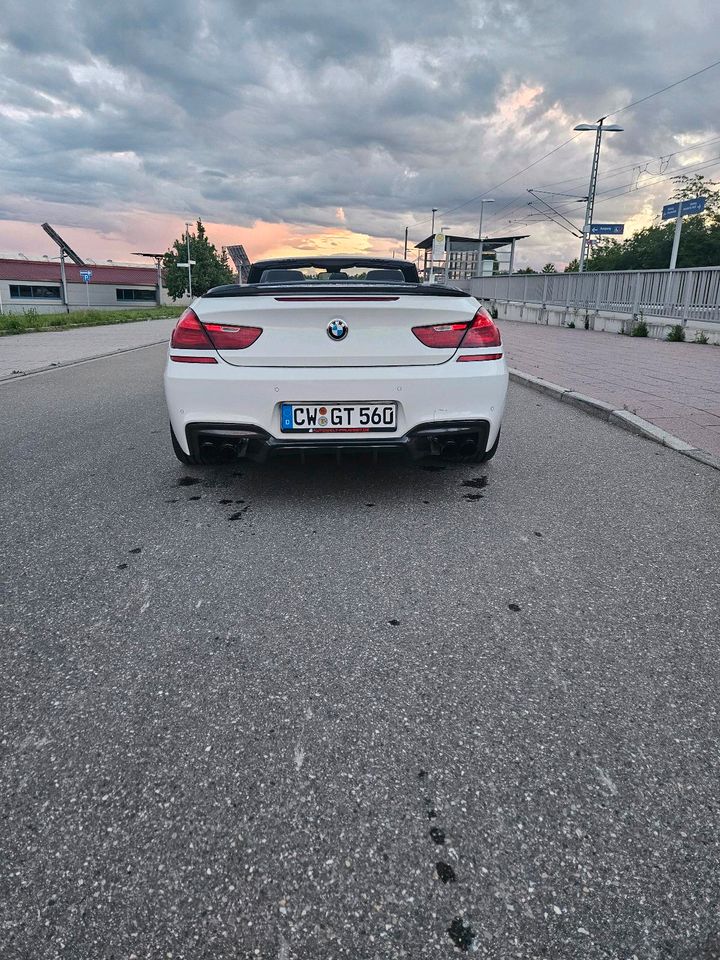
x,y
446,336
482,332
227,337
189,334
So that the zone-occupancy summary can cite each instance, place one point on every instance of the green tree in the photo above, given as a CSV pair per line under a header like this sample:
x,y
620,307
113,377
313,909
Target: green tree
x,y
549,268
210,268
526,270
698,186
573,266
650,248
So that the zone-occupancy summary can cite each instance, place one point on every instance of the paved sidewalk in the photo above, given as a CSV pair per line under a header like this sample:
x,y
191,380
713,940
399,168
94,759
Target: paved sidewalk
x,y
29,352
675,386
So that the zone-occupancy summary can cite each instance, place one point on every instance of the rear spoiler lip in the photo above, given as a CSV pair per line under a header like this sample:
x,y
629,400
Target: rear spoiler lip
x,y
336,288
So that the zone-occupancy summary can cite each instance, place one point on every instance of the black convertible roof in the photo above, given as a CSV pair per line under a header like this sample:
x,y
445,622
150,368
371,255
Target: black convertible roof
x,y
334,264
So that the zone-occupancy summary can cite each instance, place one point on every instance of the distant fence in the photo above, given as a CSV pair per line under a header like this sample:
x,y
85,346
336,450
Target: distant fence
x,y
692,294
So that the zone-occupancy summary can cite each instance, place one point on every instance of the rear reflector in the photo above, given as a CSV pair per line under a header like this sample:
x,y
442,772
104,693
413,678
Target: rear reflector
x,y
193,359
189,333
226,336
479,356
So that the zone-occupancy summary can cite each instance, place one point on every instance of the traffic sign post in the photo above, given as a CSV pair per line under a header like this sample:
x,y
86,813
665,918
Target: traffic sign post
x,y
189,265
86,277
605,229
680,209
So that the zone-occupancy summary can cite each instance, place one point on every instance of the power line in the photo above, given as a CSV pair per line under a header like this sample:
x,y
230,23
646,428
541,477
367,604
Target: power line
x,y
663,90
497,186
534,163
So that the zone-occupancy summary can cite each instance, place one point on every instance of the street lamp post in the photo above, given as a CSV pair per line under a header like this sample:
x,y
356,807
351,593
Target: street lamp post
x,y
187,237
432,228
406,243
600,129
480,246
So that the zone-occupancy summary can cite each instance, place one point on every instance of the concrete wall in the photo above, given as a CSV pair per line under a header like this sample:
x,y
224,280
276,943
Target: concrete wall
x,y
102,296
556,316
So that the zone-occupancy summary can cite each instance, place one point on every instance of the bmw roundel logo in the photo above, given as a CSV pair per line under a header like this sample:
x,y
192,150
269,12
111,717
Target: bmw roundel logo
x,y
337,329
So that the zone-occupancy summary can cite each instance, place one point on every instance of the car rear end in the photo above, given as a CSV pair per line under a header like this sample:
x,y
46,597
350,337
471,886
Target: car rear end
x,y
302,366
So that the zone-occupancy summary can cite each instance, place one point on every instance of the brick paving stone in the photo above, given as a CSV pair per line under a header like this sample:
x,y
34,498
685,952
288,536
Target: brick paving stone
x,y
676,386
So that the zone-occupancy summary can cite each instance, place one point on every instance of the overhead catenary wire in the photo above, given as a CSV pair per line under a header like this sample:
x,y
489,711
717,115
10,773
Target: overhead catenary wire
x,y
657,93
550,153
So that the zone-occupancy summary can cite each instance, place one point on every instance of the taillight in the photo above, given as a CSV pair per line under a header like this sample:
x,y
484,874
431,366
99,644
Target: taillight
x,y
446,336
482,332
189,334
227,337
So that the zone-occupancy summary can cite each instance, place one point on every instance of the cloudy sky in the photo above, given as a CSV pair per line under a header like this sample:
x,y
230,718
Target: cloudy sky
x,y
290,125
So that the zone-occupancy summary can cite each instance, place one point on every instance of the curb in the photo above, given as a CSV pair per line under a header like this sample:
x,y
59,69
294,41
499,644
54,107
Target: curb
x,y
621,418
74,363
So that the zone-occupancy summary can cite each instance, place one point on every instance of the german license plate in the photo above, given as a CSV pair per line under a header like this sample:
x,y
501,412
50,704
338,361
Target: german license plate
x,y
338,417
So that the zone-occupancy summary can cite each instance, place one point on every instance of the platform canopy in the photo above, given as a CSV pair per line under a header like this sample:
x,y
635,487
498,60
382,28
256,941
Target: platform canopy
x,y
489,243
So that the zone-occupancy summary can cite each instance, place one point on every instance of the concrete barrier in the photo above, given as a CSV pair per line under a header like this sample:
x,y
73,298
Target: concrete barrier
x,y
602,320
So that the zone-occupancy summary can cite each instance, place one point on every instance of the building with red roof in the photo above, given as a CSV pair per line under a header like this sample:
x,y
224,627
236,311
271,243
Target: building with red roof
x,y
38,284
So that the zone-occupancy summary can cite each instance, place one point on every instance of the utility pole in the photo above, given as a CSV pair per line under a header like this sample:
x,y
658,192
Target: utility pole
x,y
406,242
432,228
598,128
63,279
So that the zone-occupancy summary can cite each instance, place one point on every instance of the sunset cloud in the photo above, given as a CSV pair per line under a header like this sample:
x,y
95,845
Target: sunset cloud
x,y
284,124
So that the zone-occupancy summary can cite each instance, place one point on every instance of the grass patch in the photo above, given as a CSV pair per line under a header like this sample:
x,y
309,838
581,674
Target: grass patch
x,y
31,321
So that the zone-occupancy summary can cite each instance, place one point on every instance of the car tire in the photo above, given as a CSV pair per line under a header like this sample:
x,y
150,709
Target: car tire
x,y
183,457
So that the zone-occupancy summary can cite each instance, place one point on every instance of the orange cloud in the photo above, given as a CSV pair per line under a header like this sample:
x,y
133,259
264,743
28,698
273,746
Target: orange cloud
x,y
156,233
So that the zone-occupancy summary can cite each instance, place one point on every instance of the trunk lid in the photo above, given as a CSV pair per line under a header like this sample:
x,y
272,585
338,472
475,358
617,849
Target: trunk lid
x,y
295,327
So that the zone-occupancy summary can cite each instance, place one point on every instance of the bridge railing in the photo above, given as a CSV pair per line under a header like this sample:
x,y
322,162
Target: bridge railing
x,y
690,294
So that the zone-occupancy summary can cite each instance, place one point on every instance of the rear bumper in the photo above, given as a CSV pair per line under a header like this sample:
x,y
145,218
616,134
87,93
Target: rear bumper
x,y
242,404
426,439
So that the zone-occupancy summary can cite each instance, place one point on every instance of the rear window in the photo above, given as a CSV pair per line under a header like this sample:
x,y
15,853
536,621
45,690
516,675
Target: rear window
x,y
364,273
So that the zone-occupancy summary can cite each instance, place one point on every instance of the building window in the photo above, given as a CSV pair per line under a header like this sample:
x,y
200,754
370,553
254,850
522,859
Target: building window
x,y
34,292
144,295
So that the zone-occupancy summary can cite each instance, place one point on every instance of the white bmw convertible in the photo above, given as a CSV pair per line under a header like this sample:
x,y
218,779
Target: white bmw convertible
x,y
335,352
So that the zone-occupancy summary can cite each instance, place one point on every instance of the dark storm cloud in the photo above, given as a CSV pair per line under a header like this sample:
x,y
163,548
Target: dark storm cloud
x,y
284,110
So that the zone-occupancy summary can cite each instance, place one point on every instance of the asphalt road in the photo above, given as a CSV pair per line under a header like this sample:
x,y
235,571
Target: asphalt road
x,y
260,714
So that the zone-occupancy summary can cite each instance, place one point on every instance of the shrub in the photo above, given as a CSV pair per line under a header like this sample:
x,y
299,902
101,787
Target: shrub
x,y
677,333
640,329
571,325
700,337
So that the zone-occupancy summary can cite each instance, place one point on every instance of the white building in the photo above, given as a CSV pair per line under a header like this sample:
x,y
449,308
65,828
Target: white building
x,y
38,284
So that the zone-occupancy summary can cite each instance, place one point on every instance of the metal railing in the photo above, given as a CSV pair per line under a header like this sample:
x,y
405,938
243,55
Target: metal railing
x,y
691,294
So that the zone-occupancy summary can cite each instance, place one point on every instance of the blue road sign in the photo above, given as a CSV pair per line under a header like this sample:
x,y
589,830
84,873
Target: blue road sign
x,y
606,228
671,210
86,275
